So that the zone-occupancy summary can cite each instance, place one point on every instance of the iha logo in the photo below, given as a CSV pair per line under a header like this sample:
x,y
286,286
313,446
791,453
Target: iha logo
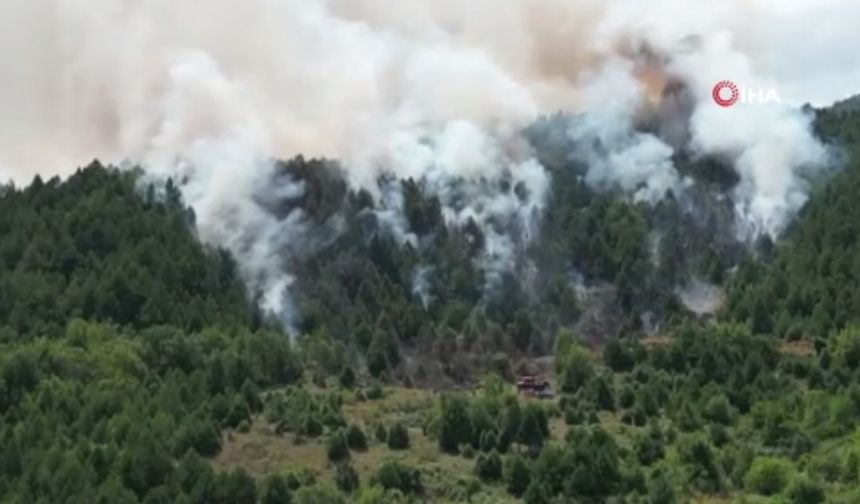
x,y
724,88
726,93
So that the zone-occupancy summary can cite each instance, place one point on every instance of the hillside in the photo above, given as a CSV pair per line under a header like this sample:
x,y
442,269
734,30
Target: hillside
x,y
848,105
134,367
807,288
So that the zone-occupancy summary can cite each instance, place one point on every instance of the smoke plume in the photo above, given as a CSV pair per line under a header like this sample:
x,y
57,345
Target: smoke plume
x,y
434,90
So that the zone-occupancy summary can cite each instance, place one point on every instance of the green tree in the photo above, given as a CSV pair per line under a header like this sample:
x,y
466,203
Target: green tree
x,y
355,438
381,433
573,363
719,410
805,491
601,393
346,378
517,475
661,490
336,446
398,437
846,347
534,428
346,478
275,490
144,467
768,475
383,353
235,487
318,494
455,423
394,475
488,467
622,355
311,426
199,435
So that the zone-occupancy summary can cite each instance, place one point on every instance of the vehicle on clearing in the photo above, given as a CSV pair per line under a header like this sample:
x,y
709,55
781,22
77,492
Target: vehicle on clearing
x,y
535,386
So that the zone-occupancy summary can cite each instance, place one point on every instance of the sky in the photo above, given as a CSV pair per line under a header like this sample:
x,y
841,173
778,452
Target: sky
x,y
121,79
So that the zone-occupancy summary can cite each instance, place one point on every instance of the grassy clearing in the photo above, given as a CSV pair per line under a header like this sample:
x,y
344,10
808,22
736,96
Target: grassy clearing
x,y
447,478
409,406
260,452
799,348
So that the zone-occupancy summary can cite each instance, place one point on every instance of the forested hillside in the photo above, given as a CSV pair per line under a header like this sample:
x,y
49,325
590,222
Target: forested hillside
x,y
134,366
810,288
602,264
126,345
92,247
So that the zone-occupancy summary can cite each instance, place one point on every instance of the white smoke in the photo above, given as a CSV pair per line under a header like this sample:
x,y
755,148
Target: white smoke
x,y
421,285
700,297
436,90
771,144
484,178
617,154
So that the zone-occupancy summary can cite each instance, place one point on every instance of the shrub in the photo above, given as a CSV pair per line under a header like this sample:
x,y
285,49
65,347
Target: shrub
x,y
346,478
718,434
299,478
318,494
648,449
251,394
661,490
275,490
236,486
600,391
336,447
488,467
239,411
626,397
846,347
455,423
200,435
355,438
805,491
380,433
537,493
467,451
375,392
534,428
398,437
488,441
621,356
375,494
312,427
396,476
768,475
347,378
517,475
719,410
501,365
573,415
573,363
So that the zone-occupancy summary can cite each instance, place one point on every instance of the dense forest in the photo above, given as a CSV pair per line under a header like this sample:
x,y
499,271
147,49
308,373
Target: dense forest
x,y
135,366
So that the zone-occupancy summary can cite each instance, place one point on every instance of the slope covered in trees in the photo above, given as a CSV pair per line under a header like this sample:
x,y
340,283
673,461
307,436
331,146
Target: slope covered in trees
x,y
131,360
126,346
807,286
596,261
91,247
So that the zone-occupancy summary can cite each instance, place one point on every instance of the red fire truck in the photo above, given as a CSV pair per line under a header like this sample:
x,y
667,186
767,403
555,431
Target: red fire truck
x,y
534,385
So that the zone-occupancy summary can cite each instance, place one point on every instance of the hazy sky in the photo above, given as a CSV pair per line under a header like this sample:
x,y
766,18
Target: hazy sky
x,y
122,78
